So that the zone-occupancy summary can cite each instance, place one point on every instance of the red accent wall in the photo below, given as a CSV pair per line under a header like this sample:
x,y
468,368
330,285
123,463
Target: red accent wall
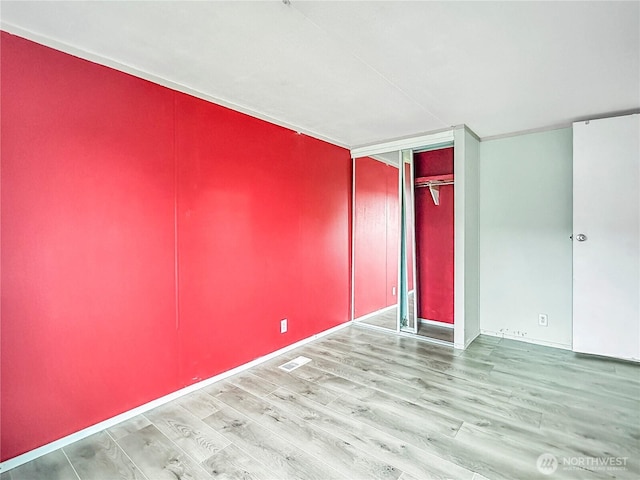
x,y
376,235
108,183
263,234
435,239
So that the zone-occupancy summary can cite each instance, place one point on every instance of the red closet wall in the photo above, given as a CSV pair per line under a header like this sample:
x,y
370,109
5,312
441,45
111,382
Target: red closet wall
x,y
435,239
109,182
376,220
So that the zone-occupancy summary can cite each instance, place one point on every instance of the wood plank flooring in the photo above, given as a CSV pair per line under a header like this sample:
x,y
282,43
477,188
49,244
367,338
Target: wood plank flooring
x,y
388,319
376,406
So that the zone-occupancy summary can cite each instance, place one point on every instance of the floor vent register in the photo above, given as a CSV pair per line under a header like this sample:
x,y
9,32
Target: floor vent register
x,y
295,363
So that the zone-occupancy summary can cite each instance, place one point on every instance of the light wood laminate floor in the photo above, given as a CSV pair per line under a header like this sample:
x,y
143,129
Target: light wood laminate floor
x,y
389,319
376,406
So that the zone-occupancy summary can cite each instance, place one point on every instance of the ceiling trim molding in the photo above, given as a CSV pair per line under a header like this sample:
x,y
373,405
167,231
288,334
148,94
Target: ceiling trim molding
x,y
527,132
404,144
123,67
558,126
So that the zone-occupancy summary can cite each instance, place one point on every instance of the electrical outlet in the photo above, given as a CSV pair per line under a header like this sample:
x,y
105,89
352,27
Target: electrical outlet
x,y
283,325
393,291
543,320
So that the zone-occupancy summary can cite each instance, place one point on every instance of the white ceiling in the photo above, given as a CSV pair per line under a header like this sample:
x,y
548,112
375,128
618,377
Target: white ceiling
x,y
361,72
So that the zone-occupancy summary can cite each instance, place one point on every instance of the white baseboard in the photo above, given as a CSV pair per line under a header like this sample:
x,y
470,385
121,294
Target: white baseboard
x,y
374,327
525,339
404,334
110,422
436,323
372,314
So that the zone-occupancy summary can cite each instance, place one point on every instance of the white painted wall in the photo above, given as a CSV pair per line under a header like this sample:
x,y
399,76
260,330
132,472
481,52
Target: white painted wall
x,y
525,225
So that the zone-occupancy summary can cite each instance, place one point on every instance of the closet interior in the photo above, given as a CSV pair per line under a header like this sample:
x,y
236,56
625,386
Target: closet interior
x,y
434,232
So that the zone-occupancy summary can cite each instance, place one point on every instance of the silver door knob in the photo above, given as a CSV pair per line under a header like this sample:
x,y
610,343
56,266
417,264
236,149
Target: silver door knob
x,y
581,237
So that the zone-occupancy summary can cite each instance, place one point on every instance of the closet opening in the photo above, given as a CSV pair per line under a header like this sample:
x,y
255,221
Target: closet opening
x,y
435,241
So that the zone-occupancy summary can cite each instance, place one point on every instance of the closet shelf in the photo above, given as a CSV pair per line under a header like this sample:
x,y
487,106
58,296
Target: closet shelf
x,y
434,182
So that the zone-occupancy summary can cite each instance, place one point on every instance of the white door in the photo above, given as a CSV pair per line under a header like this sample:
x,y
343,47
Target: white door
x,y
606,237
